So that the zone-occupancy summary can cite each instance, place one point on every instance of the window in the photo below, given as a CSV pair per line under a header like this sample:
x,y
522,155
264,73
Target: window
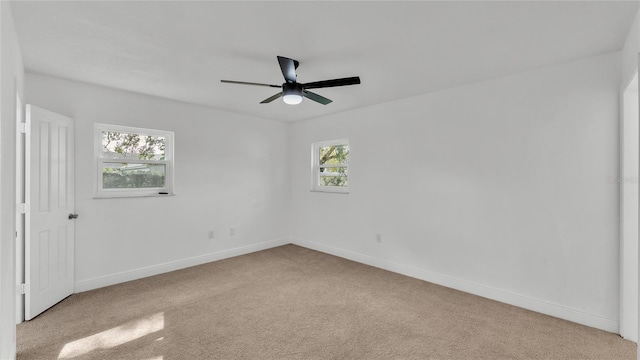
x,y
133,161
330,170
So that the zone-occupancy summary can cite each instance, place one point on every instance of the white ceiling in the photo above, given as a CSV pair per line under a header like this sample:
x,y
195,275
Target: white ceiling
x,y
181,50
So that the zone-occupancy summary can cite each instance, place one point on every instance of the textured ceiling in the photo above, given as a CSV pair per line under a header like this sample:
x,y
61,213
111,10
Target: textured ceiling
x,y
181,50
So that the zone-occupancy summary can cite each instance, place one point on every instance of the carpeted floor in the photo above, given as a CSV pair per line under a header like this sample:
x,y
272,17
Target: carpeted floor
x,y
293,303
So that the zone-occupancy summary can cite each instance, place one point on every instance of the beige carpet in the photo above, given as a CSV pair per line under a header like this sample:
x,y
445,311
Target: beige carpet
x,y
294,303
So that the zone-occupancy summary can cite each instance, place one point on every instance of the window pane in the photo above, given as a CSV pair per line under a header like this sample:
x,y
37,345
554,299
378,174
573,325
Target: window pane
x,y
333,177
335,154
121,145
133,176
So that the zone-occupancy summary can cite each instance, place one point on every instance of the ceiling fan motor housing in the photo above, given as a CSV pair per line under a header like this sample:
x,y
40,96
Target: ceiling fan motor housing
x,y
291,89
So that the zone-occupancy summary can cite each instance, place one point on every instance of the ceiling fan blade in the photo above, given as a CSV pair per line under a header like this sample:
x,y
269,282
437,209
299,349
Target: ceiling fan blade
x,y
270,99
315,97
249,83
332,83
288,67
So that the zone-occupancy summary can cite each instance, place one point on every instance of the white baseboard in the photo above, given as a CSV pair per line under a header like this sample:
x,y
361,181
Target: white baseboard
x,y
547,308
117,278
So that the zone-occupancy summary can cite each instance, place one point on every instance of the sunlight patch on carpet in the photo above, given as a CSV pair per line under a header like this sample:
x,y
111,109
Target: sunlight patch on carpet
x,y
114,337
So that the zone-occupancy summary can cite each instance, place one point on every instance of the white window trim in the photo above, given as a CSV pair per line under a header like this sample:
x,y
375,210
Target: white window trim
x,y
101,193
315,167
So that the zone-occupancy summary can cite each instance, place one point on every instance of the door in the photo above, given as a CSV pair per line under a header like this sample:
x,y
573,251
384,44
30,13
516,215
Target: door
x,y
49,195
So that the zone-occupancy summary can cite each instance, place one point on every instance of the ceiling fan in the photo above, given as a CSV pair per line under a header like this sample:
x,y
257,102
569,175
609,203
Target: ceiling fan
x,y
293,91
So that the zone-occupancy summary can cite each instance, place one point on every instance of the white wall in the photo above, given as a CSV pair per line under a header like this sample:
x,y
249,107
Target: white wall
x,y
230,170
504,188
630,52
11,82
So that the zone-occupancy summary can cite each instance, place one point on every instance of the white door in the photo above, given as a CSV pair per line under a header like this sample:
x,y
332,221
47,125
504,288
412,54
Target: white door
x,y
49,235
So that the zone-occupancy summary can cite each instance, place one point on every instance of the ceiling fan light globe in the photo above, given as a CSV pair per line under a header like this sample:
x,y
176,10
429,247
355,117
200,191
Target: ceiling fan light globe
x,y
292,99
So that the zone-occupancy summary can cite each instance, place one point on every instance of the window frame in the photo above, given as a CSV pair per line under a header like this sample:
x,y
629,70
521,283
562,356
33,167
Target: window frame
x,y
315,167
99,161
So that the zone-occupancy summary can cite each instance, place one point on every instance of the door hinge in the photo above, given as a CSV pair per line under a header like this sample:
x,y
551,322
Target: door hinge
x,y
23,289
23,208
24,128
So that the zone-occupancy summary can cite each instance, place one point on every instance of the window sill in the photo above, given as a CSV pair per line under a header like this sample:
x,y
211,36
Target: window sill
x,y
330,191
120,196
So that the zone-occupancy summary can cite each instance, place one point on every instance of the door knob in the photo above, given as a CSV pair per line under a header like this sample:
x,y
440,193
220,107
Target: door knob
x,y
73,216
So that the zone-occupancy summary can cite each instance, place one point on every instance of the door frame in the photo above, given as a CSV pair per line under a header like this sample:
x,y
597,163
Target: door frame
x,y
20,199
629,210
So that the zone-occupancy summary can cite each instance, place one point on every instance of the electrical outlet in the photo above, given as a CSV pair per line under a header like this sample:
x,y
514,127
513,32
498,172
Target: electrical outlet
x,y
211,234
378,238
232,231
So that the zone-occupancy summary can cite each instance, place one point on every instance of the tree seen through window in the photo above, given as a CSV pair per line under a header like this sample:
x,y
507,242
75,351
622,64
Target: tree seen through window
x,y
333,155
132,147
